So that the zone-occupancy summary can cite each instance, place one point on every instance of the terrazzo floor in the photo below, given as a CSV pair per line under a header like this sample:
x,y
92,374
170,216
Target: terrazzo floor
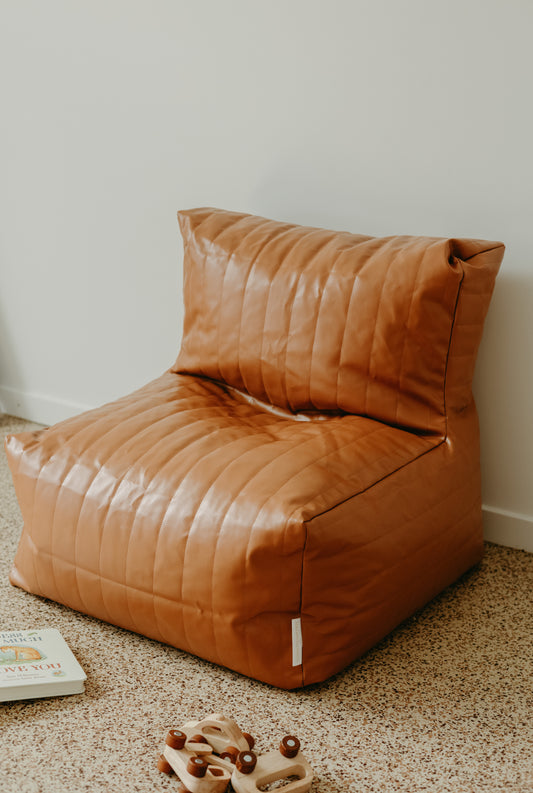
x,y
442,705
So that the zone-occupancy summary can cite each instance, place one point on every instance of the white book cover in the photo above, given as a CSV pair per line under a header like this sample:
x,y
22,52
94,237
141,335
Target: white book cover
x,y
37,664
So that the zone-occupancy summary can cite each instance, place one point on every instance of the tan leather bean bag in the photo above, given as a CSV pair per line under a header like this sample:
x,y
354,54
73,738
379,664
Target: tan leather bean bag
x,y
303,479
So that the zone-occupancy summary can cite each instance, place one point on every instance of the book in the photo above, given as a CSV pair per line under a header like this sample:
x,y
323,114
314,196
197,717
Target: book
x,y
37,664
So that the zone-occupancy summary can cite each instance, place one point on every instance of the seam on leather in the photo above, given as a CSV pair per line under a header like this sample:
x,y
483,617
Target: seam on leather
x,y
316,254
465,485
230,257
149,593
398,395
341,345
205,491
480,253
371,351
91,440
245,287
287,253
365,260
452,327
193,235
381,479
300,611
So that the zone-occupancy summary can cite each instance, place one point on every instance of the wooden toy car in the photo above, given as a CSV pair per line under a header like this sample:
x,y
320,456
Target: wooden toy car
x,y
221,732
207,754
190,761
203,753
253,772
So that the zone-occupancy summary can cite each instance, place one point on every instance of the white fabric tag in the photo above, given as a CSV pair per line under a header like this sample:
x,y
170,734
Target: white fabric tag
x,y
297,643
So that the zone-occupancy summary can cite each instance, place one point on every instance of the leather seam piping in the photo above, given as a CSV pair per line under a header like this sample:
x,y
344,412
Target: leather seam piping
x,y
306,529
377,482
450,347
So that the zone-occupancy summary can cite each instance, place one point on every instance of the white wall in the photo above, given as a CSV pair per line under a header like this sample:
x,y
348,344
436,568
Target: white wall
x,y
373,116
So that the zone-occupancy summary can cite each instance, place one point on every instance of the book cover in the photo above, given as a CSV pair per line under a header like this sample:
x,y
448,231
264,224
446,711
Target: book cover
x,y
37,663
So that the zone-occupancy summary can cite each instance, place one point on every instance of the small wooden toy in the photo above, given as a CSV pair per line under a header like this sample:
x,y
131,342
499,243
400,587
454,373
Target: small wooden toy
x,y
253,772
207,754
222,733
203,753
189,760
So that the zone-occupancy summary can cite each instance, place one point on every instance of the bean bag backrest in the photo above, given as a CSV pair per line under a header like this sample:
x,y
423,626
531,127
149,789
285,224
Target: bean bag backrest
x,y
315,320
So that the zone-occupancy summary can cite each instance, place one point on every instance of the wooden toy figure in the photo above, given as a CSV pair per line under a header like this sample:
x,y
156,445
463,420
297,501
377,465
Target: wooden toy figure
x,y
203,753
207,754
193,768
221,732
253,772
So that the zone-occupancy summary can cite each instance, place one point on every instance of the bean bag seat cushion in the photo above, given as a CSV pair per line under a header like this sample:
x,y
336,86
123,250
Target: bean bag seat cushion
x,y
302,479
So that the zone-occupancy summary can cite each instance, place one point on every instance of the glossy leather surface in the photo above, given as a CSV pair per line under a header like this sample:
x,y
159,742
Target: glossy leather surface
x,y
310,319
211,514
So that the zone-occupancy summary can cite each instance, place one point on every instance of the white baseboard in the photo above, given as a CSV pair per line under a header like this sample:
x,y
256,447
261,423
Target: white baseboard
x,y
36,407
508,528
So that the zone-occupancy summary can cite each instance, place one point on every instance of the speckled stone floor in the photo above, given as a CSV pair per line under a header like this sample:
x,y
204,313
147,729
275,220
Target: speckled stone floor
x,y
442,704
